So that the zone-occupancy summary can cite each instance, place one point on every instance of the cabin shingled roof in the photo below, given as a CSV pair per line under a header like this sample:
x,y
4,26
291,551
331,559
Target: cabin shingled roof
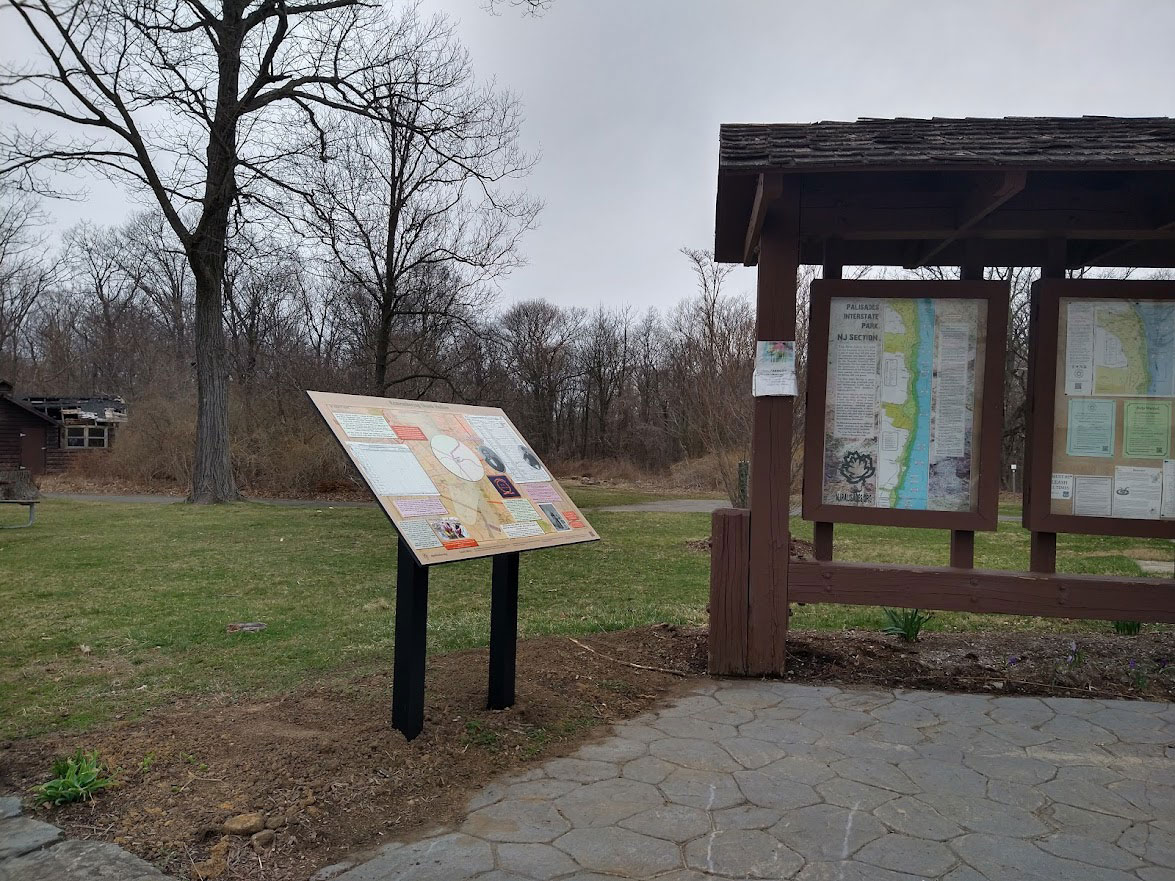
x,y
1013,142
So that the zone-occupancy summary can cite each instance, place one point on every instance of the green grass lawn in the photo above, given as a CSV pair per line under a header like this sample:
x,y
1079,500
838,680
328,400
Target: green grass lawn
x,y
148,589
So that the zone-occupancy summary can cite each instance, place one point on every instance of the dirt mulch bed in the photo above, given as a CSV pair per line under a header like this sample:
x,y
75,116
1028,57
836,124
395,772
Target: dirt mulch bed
x,y
325,767
1091,665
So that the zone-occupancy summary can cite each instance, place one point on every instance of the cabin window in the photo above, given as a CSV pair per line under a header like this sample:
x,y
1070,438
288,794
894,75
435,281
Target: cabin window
x,y
83,436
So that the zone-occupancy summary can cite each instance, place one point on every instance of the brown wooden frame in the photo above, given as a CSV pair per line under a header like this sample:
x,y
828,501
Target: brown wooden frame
x,y
1038,516
985,517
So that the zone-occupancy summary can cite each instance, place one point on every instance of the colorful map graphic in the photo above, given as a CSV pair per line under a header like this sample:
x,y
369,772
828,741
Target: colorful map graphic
x,y
918,376
1134,349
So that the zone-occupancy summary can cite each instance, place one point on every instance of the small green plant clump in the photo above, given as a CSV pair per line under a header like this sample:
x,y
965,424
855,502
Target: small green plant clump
x,y
1127,628
906,623
75,778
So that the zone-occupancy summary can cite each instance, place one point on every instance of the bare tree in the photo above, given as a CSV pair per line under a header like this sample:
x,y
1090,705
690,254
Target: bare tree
x,y
23,275
414,209
195,105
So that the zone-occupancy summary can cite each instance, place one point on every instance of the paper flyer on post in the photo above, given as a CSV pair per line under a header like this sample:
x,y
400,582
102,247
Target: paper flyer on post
x,y
392,470
775,369
1079,349
1092,496
501,443
1138,492
1168,509
1091,428
1146,432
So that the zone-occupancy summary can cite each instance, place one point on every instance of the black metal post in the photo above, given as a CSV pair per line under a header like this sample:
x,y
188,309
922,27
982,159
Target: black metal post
x,y
503,631
411,633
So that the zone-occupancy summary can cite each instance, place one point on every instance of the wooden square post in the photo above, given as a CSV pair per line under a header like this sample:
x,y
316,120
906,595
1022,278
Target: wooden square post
x,y
771,439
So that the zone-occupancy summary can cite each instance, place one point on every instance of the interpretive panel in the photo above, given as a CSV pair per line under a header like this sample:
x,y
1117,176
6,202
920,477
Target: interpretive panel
x,y
898,372
1105,384
457,481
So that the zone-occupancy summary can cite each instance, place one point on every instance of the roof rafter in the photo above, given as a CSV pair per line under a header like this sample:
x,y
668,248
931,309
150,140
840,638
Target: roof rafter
x,y
978,204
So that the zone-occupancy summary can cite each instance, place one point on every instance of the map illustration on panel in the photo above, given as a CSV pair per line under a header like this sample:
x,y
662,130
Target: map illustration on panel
x,y
457,481
901,402
1127,346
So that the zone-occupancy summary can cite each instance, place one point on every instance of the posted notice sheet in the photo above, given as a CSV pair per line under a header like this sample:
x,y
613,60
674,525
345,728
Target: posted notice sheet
x,y
1138,492
1092,496
1168,509
392,470
1062,487
1147,430
1079,350
775,369
1091,428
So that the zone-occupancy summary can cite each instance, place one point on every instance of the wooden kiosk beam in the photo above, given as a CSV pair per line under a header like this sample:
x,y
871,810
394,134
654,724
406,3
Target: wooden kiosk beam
x,y
978,205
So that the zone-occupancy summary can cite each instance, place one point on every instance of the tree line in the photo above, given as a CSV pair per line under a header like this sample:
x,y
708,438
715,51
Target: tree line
x,y
111,309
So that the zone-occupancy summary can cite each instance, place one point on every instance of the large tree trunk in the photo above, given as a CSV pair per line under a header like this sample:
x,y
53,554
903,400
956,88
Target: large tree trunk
x,y
212,471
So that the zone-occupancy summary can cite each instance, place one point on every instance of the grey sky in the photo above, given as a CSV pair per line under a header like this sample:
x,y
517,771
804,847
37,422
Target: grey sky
x,y
624,99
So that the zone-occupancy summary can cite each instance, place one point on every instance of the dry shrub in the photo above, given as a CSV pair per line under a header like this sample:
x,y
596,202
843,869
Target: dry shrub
x,y
154,447
605,470
279,448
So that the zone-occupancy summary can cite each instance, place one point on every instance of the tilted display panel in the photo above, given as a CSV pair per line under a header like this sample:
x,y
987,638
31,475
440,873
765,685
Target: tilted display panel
x,y
457,481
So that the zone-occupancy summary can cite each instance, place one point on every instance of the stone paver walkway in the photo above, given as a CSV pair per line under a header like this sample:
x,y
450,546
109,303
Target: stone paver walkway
x,y
34,851
770,780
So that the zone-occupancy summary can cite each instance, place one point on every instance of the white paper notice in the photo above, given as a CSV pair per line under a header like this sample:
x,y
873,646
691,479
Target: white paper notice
x,y
521,530
520,461
392,470
364,425
775,369
418,534
1079,350
1092,496
1168,509
1138,492
854,337
952,393
1063,487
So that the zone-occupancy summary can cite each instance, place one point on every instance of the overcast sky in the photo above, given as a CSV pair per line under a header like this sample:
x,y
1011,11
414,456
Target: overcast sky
x,y
624,97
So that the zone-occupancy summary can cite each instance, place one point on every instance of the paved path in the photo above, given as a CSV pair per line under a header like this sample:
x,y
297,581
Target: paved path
x,y
34,851
770,780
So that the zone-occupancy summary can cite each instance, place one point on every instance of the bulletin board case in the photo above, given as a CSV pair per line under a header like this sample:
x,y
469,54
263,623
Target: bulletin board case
x,y
1052,448
985,403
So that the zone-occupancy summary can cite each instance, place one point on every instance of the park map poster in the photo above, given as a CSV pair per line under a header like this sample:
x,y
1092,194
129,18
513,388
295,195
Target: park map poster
x,y
1114,411
902,405
457,481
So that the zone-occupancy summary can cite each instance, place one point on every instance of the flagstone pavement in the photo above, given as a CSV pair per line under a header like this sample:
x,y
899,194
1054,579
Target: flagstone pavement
x,y
769,780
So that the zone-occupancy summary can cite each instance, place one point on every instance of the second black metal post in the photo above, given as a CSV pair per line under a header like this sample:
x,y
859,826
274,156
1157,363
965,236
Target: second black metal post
x,y
503,631
411,633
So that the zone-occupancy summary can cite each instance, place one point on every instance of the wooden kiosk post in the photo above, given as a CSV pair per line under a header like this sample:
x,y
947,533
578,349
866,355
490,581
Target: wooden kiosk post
x,y
771,447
